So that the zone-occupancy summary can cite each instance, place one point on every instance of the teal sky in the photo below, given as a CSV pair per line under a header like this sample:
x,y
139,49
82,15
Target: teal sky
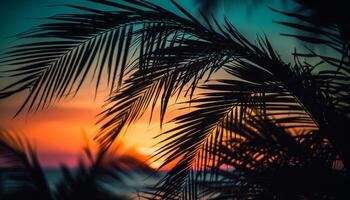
x,y
20,15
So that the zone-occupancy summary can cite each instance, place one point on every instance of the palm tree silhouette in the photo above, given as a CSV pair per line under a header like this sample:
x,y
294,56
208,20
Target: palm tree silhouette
x,y
23,176
274,165
149,54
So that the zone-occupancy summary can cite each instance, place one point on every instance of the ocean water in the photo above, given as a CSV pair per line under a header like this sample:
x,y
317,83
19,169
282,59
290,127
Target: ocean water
x,y
132,183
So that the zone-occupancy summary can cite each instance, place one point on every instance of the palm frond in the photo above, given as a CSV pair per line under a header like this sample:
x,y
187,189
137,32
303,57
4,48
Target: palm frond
x,y
23,173
98,176
220,116
320,29
72,46
95,177
326,24
262,67
265,170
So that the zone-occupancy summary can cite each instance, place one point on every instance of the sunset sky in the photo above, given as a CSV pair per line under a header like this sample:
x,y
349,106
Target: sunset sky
x,y
58,132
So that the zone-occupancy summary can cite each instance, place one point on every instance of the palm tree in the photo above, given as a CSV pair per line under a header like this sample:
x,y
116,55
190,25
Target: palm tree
x,y
274,165
23,176
158,54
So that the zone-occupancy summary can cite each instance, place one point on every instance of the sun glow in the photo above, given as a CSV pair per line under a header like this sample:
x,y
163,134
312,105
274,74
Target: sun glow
x,y
58,132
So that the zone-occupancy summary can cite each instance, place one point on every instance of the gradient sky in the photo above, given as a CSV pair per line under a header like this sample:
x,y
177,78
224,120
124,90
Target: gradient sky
x,y
58,132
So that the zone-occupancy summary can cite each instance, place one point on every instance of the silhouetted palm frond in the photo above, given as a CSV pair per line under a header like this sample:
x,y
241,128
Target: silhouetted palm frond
x,y
193,53
326,23
101,177
265,170
23,175
272,165
323,23
221,116
173,51
96,177
199,51
275,87
73,45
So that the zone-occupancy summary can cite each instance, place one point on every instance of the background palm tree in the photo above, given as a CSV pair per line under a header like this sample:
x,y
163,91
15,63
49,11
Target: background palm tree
x,y
159,54
96,176
22,174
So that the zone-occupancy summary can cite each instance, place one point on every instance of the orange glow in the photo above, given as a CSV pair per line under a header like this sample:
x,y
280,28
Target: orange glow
x,y
58,132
